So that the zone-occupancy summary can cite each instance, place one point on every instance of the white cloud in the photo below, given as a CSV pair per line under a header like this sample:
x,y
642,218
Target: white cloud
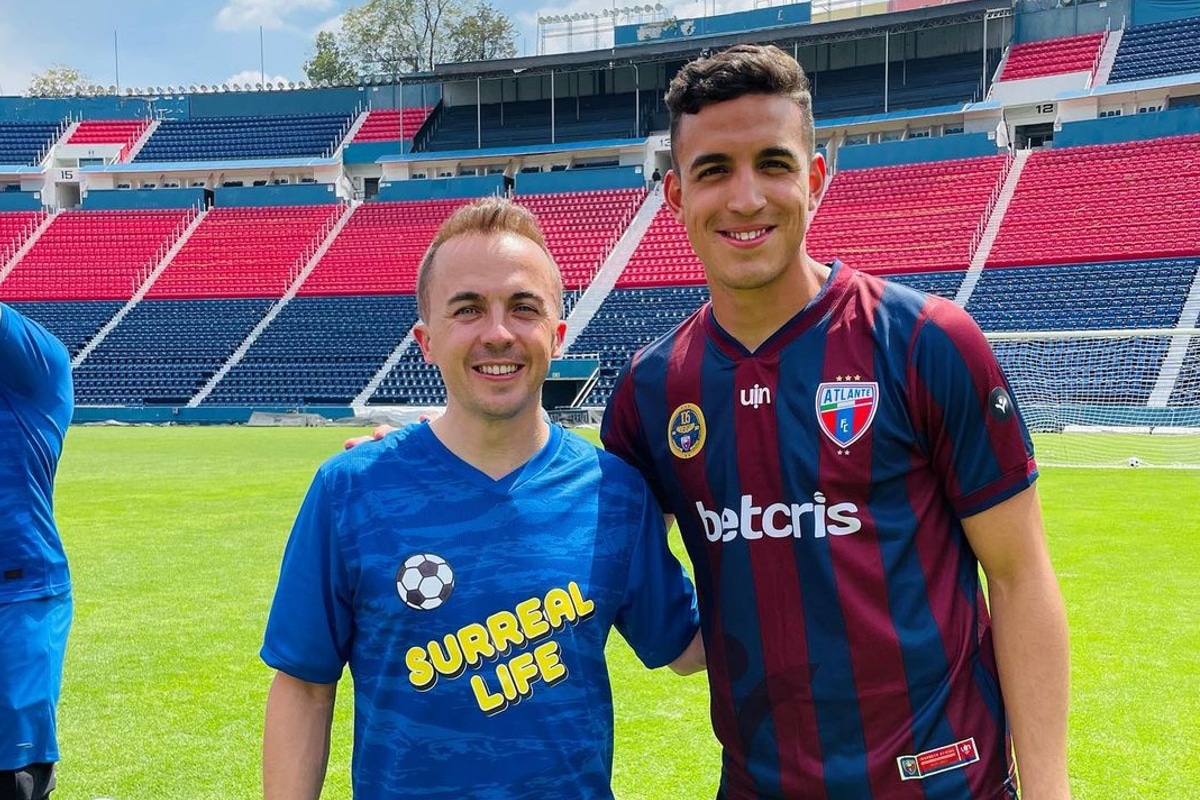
x,y
241,15
332,25
250,77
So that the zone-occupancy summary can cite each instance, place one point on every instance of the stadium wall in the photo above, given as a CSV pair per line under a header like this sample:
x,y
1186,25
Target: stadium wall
x,y
580,180
114,199
738,22
369,152
916,151
1069,20
20,201
1172,122
441,188
305,194
53,109
1146,12
265,104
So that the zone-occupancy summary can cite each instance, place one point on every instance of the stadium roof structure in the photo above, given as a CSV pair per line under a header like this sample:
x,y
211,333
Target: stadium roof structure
x,y
938,16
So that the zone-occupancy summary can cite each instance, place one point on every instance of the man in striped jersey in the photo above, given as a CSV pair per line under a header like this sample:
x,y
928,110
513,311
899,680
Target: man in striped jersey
x,y
841,455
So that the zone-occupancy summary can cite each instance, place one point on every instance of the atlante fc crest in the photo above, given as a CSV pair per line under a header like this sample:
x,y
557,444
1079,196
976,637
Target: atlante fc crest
x,y
845,409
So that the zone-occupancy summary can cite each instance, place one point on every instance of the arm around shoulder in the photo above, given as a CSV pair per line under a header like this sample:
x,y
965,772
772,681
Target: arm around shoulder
x,y
1030,631
296,738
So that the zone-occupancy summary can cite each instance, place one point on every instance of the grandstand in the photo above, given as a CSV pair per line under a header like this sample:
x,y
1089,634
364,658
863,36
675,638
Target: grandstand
x,y
214,260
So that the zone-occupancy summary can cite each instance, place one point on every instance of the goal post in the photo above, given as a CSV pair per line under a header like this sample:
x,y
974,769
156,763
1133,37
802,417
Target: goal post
x,y
1107,398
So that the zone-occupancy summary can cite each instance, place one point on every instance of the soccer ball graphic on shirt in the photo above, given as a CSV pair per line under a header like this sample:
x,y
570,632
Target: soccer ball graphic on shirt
x,y
424,581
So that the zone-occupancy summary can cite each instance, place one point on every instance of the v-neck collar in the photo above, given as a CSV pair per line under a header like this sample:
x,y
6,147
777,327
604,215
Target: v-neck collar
x,y
812,313
505,484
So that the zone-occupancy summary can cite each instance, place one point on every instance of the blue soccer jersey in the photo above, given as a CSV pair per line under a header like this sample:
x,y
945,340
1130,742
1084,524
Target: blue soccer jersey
x,y
819,484
36,402
473,613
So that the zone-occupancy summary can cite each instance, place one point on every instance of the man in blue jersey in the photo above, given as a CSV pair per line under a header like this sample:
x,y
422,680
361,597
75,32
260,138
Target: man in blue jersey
x,y
36,401
469,569
841,455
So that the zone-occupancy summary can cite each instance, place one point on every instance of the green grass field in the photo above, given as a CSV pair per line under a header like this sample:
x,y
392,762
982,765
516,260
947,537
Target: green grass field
x,y
175,536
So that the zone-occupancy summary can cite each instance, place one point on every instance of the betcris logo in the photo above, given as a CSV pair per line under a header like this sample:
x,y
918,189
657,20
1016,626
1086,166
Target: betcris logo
x,y
817,519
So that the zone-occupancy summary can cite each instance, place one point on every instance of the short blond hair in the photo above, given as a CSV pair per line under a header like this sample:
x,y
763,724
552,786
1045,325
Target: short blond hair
x,y
488,216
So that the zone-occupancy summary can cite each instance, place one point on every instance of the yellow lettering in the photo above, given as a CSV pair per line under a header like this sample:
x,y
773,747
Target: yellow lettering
x,y
583,607
549,662
450,661
489,703
524,671
475,644
420,674
506,682
505,630
533,624
559,610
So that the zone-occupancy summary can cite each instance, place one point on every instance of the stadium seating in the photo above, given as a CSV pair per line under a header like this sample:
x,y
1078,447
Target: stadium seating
x,y
26,143
1187,388
528,122
226,138
410,382
379,249
916,217
15,228
915,83
164,351
385,124
1104,203
246,252
1120,374
582,227
944,284
629,319
94,255
1157,50
75,323
1052,56
318,350
1099,296
663,257
124,132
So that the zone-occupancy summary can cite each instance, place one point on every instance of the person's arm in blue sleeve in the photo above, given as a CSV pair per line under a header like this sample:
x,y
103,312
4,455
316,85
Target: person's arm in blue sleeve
x,y
659,617
307,640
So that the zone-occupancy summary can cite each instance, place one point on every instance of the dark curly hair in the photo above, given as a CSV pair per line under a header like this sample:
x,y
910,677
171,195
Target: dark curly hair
x,y
740,70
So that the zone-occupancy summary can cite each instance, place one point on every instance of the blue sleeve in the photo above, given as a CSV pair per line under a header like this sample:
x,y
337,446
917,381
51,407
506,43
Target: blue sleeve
x,y
658,616
966,414
37,366
310,626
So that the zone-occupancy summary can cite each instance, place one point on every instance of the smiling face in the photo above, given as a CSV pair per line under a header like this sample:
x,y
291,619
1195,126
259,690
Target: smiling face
x,y
743,185
492,325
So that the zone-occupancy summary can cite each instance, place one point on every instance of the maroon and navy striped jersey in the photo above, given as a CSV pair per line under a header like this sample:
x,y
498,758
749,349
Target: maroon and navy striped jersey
x,y
819,484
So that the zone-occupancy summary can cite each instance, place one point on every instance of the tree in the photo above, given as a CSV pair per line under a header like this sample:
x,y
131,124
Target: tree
x,y
389,38
483,35
58,80
328,63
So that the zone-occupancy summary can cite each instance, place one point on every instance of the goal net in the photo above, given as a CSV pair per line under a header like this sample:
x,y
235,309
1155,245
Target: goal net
x,y
1119,398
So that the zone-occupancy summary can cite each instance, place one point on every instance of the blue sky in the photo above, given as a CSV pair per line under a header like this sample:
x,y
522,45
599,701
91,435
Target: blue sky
x,y
185,42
